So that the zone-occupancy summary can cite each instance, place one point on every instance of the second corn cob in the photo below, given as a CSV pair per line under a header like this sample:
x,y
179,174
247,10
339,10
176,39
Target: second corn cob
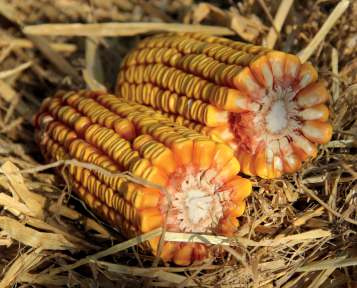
x,y
265,104
202,192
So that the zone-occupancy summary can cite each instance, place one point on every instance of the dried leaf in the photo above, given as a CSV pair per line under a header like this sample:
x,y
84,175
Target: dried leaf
x,y
222,240
32,237
14,71
145,272
33,201
205,11
120,29
15,206
249,28
22,264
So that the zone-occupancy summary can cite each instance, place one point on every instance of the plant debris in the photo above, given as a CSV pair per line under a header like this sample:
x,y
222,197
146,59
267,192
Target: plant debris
x,y
297,231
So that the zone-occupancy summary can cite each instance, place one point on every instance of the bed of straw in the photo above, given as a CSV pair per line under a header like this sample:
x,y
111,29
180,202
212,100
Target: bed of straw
x,y
297,231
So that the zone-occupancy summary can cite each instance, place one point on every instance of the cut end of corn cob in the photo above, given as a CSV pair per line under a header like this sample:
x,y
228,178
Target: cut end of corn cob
x,y
291,120
265,104
201,190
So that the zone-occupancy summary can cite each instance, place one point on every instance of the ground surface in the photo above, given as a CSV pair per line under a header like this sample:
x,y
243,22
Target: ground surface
x,y
297,231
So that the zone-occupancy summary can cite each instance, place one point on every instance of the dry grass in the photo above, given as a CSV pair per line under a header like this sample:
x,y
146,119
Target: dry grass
x,y
297,231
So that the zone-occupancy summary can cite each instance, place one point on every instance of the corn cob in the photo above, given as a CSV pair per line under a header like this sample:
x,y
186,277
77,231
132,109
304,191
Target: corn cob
x,y
203,193
265,104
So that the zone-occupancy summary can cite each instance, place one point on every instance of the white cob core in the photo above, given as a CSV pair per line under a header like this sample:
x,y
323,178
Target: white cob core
x,y
276,119
196,206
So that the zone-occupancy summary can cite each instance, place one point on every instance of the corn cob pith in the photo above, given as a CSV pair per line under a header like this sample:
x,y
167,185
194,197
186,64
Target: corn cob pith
x,y
202,192
265,104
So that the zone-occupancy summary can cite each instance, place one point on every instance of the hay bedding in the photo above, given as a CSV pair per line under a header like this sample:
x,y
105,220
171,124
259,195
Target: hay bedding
x,y
298,231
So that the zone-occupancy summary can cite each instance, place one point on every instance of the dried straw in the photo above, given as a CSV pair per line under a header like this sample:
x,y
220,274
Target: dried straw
x,y
120,29
297,231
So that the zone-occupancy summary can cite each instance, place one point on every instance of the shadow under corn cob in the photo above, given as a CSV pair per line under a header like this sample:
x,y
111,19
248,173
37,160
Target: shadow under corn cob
x,y
265,104
202,194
